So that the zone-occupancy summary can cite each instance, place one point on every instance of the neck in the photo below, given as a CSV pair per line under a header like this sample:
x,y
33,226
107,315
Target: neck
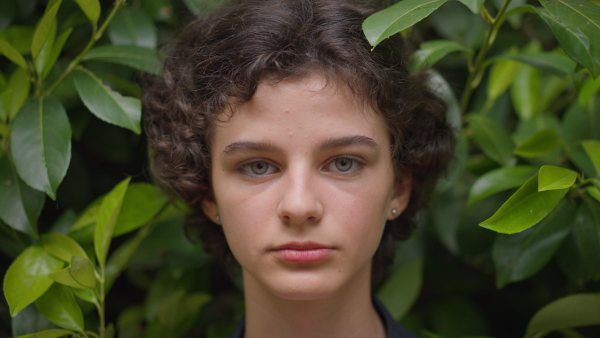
x,y
348,312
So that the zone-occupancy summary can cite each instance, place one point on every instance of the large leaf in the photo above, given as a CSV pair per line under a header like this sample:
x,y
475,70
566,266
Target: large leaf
x,y
41,144
141,58
592,148
520,256
524,208
43,29
107,219
400,290
62,246
20,205
54,333
432,51
26,278
59,306
91,8
12,54
396,18
18,86
576,26
132,27
553,63
107,104
493,139
498,180
539,144
474,5
555,178
571,311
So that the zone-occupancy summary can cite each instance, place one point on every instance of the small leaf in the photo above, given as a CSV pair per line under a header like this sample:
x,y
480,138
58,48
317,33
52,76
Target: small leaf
x,y
57,47
88,216
140,58
59,306
141,202
594,192
54,333
525,93
493,139
107,104
20,205
132,27
402,288
473,5
62,246
433,51
107,218
396,18
19,86
555,178
524,209
20,37
12,54
541,143
26,278
82,270
91,8
45,53
571,311
553,63
587,91
499,180
41,144
592,148
42,31
501,77
64,277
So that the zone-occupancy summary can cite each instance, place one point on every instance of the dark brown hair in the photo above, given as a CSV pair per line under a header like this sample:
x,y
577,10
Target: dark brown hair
x,y
221,58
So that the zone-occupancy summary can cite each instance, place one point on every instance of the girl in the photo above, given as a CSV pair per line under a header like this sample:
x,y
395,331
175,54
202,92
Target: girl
x,y
302,153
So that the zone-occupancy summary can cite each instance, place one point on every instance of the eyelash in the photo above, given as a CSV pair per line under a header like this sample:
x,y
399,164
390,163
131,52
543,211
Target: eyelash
x,y
356,166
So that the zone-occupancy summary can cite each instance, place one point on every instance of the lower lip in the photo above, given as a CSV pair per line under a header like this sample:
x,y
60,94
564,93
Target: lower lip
x,y
304,256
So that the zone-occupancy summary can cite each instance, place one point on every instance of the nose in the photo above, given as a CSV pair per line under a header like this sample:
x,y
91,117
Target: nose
x,y
299,203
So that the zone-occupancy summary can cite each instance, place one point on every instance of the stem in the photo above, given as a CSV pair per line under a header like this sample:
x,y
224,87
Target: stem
x,y
100,306
96,35
476,74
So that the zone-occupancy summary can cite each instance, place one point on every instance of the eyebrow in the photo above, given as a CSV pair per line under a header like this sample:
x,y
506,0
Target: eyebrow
x,y
332,143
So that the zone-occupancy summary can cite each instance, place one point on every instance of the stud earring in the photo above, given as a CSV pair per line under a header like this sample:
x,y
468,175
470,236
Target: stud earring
x,y
218,218
394,212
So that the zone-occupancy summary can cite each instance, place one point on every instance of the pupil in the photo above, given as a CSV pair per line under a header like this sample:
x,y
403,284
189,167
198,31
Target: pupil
x,y
343,164
259,168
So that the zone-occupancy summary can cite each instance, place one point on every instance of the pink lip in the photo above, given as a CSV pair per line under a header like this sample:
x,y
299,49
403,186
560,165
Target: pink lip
x,y
303,252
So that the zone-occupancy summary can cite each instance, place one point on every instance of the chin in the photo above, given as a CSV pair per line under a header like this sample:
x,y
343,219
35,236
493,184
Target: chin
x,y
304,289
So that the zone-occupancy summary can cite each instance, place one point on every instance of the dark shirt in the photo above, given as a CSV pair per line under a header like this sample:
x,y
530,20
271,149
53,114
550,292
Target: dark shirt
x,y
392,328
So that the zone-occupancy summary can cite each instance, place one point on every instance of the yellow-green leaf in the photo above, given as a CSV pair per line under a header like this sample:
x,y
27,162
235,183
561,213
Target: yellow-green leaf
x,y
12,54
91,8
62,246
541,143
592,148
42,31
555,178
571,311
54,333
82,270
59,306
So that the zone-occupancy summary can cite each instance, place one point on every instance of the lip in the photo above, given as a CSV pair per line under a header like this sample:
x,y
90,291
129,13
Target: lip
x,y
303,252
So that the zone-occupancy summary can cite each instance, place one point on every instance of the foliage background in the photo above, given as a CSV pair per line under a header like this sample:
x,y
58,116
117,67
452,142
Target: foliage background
x,y
530,105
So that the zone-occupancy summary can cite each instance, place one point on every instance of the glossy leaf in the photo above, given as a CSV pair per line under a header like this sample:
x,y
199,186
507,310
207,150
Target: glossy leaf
x,y
18,85
82,270
401,289
54,333
107,218
555,178
62,246
41,144
570,311
64,277
539,144
499,180
59,306
20,205
107,104
493,139
553,63
577,28
525,93
43,29
26,278
396,18
524,209
501,77
431,52
91,8
140,58
520,256
12,54
132,27
592,148
473,5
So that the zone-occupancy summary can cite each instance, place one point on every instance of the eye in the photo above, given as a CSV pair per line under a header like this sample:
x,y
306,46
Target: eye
x,y
258,168
344,165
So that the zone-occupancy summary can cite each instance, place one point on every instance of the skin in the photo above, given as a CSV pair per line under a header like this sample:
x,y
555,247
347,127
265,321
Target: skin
x,y
304,161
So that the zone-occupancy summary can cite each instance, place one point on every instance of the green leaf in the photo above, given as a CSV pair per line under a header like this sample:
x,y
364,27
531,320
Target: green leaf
x,y
442,89
45,53
520,256
19,37
524,209
594,192
14,99
41,144
28,321
592,148
588,91
82,270
555,178
571,311
12,54
132,27
20,205
401,289
42,31
525,93
141,202
501,77
26,278
498,180
541,143
91,8
107,104
396,18
59,306
473,5
433,51
553,63
577,29
88,216
54,333
169,314
141,58
493,139
57,47
62,246
107,218
64,277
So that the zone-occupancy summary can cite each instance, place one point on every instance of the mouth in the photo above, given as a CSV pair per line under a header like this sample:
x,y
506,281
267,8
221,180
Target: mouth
x,y
303,252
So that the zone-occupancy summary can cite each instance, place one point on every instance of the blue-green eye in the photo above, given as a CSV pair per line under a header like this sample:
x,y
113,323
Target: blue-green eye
x,y
258,168
344,165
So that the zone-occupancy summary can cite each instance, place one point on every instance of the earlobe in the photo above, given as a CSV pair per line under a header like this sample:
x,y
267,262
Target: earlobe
x,y
401,198
210,208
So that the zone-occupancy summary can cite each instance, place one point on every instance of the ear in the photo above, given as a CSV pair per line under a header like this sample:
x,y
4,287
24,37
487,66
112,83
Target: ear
x,y
210,207
401,197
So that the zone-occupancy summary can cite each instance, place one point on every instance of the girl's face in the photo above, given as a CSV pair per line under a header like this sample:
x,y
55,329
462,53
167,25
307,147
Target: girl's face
x,y
303,185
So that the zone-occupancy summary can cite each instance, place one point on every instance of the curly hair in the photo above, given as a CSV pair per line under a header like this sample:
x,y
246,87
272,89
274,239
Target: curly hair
x,y
220,59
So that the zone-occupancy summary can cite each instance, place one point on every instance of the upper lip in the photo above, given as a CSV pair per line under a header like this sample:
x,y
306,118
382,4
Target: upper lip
x,y
305,245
